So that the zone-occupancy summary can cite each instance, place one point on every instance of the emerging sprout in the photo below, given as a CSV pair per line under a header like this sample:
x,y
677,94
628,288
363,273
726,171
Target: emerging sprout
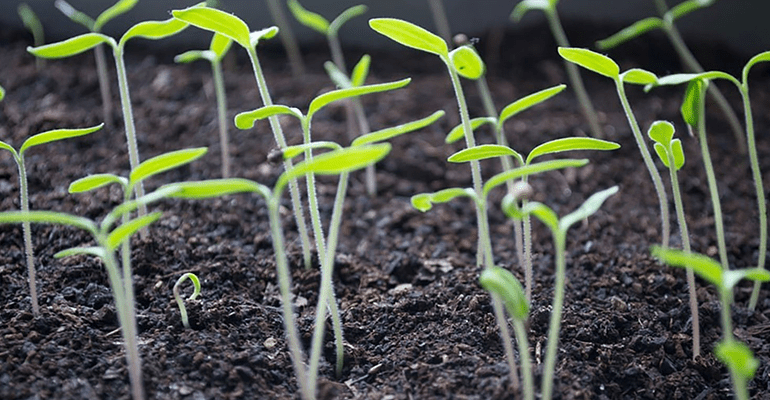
x,y
179,301
35,27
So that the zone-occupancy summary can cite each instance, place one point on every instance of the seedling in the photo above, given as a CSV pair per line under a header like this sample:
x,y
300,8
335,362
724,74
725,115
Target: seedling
x,y
440,19
743,88
179,301
287,38
2,93
670,152
18,157
558,229
35,27
95,25
217,49
604,65
229,25
734,354
691,64
548,7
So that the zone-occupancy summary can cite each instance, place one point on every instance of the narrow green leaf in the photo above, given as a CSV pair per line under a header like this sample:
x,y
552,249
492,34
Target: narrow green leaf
x,y
661,132
467,62
338,77
425,201
528,101
678,79
761,57
707,268
75,15
678,153
217,21
638,76
458,132
339,94
131,205
360,71
290,152
220,44
153,30
660,150
588,208
570,144
77,251
530,169
121,7
266,34
687,7
194,55
165,162
410,35
71,46
96,181
48,217
54,135
637,29
308,18
691,104
10,148
738,358
2,93
344,17
732,277
544,213
482,152
502,282
246,119
527,5
216,188
591,61
389,133
125,231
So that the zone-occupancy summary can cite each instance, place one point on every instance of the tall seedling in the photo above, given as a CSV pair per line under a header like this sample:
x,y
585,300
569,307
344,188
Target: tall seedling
x,y
95,25
548,7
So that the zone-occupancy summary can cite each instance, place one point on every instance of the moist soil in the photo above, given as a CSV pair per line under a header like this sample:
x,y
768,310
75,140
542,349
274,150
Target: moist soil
x,y
417,324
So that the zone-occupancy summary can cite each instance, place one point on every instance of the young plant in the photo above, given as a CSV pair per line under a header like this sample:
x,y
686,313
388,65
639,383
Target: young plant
x,y
179,301
35,27
95,25
603,65
287,38
733,353
18,157
229,25
666,23
670,152
217,49
440,19
743,88
548,7
559,228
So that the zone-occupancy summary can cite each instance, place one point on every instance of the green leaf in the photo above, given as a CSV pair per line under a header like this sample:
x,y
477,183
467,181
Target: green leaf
x,y
458,132
389,133
217,21
48,217
691,104
570,144
96,181
482,152
121,7
344,17
730,278
165,162
678,79
220,44
678,153
660,150
125,231
502,282
528,101
246,119
194,55
360,71
71,46
131,205
195,281
591,61
738,358
425,201
467,62
290,152
530,169
410,35
75,15
588,208
31,22
707,268
77,251
661,132
339,94
308,18
266,34
10,148
638,76
544,213
338,77
637,29
761,57
525,6
216,188
54,135
687,7
153,30
2,93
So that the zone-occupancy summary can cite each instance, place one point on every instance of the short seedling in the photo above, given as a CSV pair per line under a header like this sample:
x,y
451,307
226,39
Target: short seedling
x,y
670,152
18,157
179,301
35,27
603,65
558,229
548,7
734,354
95,25
217,49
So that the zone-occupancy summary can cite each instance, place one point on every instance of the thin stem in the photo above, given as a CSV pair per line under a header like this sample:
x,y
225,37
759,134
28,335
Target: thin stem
x,y
555,324
287,38
654,174
312,197
27,232
574,76
224,141
526,365
104,85
528,274
280,140
727,323
440,19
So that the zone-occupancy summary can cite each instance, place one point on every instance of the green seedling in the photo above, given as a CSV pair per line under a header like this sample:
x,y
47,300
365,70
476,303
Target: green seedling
x,y
18,157
2,93
153,30
605,66
559,228
743,88
425,201
670,152
35,27
734,354
229,25
179,301
287,38
548,7
666,23
217,49
95,25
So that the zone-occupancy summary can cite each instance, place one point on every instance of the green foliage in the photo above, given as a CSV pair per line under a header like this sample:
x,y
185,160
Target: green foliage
x,y
738,358
546,6
31,22
389,133
667,148
218,21
424,201
482,152
458,132
502,282
308,18
117,9
570,144
467,62
410,35
219,46
591,61
528,101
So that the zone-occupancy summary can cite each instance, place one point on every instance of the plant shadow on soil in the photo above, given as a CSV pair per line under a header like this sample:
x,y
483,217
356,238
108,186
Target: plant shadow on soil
x,y
416,321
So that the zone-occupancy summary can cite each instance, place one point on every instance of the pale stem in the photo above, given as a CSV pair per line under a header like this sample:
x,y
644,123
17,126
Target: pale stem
x,y
739,383
27,232
104,85
312,197
555,324
287,38
224,142
440,19
520,331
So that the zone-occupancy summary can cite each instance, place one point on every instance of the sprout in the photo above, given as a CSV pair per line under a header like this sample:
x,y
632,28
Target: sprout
x,y
35,27
548,7
18,157
196,291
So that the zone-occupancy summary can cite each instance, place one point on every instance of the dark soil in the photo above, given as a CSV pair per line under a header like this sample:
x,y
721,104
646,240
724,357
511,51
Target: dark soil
x,y
417,323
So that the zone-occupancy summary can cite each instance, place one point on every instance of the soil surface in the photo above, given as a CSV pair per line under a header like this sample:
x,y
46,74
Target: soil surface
x,y
417,324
